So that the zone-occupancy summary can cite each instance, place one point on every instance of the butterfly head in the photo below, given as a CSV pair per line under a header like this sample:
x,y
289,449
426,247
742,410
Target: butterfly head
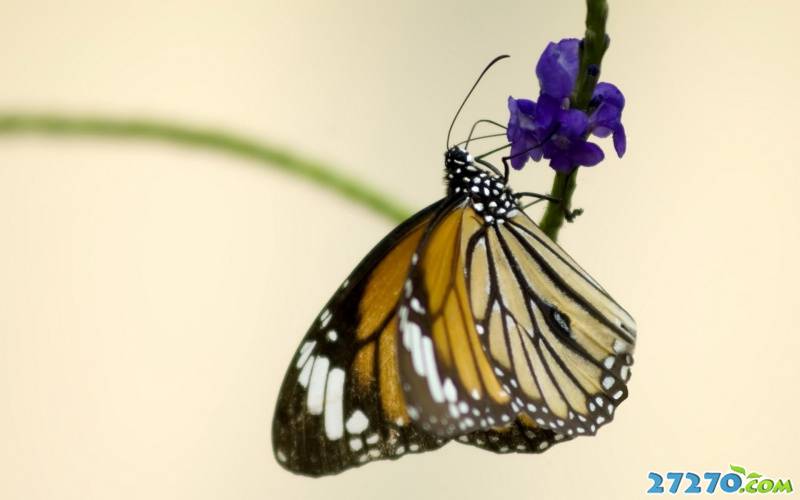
x,y
488,193
456,157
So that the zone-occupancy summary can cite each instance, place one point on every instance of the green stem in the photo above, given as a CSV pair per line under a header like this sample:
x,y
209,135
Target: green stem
x,y
216,140
595,43
554,215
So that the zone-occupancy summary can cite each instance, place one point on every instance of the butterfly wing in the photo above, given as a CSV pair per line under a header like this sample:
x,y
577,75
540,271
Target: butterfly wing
x,y
518,347
563,346
449,382
340,404
523,435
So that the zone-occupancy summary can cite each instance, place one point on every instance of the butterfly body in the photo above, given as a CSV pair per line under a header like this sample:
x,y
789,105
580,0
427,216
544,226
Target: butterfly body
x,y
488,193
466,322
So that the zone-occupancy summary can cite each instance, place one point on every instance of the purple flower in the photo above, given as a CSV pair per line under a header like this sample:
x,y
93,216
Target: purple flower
x,y
550,129
567,147
557,68
607,102
522,132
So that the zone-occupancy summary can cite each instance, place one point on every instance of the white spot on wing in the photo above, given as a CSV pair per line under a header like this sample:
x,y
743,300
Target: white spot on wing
x,y
316,387
357,423
324,318
450,390
415,339
434,385
305,373
305,352
334,425
453,409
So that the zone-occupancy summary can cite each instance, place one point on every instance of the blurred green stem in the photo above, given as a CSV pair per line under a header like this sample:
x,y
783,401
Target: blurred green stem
x,y
217,140
595,43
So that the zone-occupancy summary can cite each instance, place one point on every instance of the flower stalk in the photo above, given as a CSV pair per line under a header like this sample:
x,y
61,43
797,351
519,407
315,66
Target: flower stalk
x,y
593,48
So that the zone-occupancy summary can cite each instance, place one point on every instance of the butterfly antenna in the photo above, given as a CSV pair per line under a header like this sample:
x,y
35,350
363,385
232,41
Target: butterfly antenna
x,y
498,58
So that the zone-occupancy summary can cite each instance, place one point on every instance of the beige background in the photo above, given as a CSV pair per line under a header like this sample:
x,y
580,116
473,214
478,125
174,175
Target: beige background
x,y
151,297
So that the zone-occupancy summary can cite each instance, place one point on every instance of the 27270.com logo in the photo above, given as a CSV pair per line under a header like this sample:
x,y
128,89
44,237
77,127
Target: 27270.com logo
x,y
738,481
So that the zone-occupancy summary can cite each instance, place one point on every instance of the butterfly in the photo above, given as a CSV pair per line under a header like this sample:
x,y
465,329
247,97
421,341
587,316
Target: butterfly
x,y
465,323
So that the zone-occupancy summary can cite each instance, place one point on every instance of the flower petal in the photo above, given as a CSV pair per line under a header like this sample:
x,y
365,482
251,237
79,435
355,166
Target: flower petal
x,y
521,117
518,155
561,163
609,93
587,154
547,113
620,140
526,107
606,119
522,131
557,68
573,123
606,115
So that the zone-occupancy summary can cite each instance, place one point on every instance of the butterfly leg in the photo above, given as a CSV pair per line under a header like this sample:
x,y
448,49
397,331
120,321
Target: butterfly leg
x,y
570,215
537,195
539,198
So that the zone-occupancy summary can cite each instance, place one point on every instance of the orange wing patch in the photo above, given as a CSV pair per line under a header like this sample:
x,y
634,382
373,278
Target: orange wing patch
x,y
385,284
378,327
394,406
381,375
449,382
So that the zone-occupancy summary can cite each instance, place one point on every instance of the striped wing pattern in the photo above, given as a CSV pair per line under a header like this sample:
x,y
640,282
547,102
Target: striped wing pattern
x,y
508,341
454,328
340,404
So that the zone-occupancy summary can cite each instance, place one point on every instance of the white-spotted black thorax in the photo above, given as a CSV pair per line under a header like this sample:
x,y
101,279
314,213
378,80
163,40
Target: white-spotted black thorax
x,y
486,191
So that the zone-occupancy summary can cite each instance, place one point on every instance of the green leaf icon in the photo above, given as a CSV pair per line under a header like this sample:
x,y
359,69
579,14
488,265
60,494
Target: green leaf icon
x,y
740,470
753,475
